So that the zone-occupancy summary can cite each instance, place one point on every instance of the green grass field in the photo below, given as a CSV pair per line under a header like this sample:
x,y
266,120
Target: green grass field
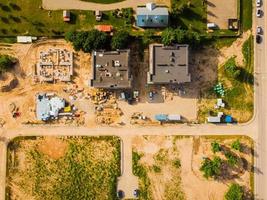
x,y
246,14
238,91
80,168
27,18
192,17
104,1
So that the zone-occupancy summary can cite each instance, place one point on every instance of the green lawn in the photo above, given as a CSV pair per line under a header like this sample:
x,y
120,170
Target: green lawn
x,y
192,17
246,14
238,91
26,18
104,1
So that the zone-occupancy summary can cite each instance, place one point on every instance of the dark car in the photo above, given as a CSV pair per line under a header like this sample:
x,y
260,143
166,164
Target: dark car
x,y
258,39
120,194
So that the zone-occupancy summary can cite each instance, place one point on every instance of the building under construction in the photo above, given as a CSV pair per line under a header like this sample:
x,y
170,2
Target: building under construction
x,y
54,65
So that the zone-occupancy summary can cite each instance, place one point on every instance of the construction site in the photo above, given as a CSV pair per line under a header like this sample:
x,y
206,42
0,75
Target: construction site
x,y
54,65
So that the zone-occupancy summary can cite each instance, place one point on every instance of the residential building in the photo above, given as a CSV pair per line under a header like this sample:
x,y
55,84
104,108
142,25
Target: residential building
x,y
152,16
111,69
168,64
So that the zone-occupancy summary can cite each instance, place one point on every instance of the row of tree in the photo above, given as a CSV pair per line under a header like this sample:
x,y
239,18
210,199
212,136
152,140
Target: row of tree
x,y
94,39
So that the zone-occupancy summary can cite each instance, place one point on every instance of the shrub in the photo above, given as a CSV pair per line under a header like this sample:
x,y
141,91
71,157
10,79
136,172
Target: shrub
x,y
231,158
211,168
231,69
235,192
236,145
177,163
6,63
216,147
156,169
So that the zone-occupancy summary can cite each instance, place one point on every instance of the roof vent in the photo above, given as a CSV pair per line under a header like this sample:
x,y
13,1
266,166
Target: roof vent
x,y
150,6
167,71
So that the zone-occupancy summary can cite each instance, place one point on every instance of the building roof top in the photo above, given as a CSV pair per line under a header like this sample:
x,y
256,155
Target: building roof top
x,y
143,10
48,107
111,69
168,64
104,28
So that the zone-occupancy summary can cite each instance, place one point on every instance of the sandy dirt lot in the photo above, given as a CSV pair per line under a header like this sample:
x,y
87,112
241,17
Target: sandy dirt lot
x,y
162,151
23,94
220,11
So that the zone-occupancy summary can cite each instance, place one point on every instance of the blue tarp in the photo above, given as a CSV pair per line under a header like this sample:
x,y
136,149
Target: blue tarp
x,y
228,119
161,117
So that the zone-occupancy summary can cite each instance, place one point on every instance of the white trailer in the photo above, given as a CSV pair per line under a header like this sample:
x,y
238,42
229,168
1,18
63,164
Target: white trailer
x,y
174,117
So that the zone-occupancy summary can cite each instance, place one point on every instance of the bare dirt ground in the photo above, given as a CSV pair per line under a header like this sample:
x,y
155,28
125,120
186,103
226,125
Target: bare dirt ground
x,y
82,5
220,11
23,94
162,151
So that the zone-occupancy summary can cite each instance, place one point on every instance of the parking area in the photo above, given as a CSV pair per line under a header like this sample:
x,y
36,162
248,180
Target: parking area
x,y
219,12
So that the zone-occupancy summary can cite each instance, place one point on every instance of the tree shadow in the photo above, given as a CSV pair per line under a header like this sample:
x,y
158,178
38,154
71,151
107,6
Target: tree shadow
x,y
5,20
245,76
14,6
5,8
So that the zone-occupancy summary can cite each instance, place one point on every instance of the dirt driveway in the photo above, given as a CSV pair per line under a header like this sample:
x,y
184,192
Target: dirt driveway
x,y
220,11
82,5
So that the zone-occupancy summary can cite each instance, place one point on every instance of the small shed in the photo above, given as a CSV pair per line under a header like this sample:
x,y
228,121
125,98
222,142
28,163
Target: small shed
x,y
105,28
66,15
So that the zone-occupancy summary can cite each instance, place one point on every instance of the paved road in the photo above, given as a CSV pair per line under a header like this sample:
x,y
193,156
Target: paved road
x,y
82,5
261,103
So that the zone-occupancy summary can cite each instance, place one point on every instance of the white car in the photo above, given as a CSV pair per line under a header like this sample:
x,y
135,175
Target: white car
x,y
258,3
259,30
258,12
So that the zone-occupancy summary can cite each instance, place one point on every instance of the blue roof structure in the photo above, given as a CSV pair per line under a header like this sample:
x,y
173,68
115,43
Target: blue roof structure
x,y
152,16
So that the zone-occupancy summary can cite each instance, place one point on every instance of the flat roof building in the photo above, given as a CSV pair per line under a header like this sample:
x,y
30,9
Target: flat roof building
x,y
110,69
168,64
152,16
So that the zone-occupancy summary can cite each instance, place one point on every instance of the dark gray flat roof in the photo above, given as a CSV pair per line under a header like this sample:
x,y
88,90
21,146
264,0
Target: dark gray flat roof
x,y
110,69
168,64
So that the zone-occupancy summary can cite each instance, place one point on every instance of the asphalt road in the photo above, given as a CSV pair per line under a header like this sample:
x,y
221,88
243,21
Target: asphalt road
x,y
261,107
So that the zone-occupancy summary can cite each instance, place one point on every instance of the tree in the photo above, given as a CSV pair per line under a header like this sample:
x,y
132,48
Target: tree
x,y
120,40
148,37
235,192
216,147
211,168
95,40
231,158
168,36
236,145
193,38
87,40
179,35
6,63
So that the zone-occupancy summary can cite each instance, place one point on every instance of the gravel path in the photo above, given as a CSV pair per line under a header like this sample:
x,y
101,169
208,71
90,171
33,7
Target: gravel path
x,y
82,5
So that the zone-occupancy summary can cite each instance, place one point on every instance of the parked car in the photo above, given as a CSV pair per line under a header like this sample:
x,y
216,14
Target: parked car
x,y
258,38
136,193
258,3
120,194
259,30
258,12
